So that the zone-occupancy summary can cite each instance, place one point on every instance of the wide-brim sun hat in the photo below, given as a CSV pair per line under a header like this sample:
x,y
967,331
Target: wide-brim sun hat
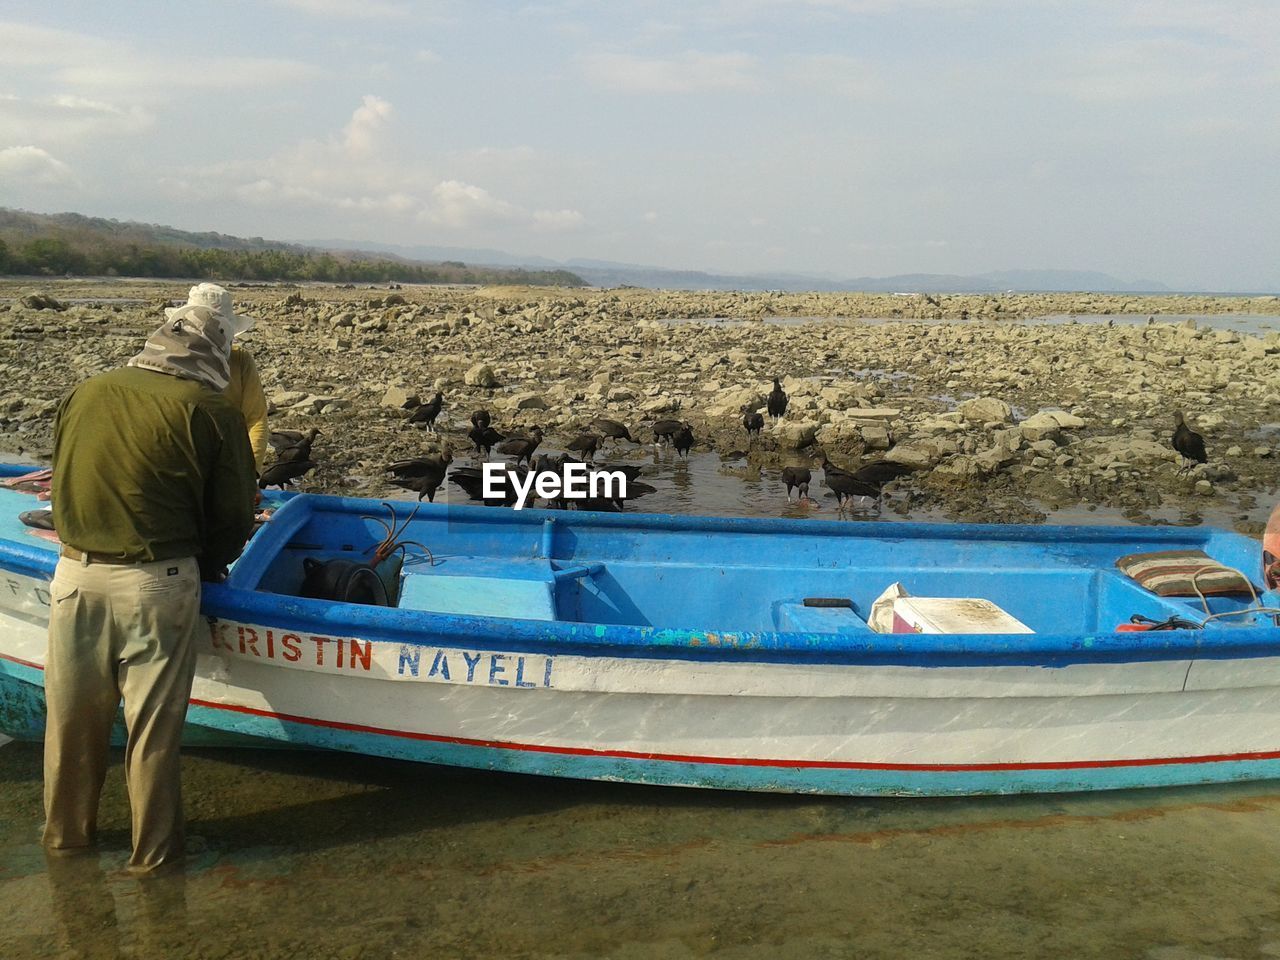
x,y
218,300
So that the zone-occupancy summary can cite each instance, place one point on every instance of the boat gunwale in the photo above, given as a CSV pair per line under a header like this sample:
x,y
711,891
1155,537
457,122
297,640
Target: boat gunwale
x,y
228,601
862,529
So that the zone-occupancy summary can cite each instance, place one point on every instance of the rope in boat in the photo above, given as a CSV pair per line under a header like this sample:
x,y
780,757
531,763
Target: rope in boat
x,y
392,542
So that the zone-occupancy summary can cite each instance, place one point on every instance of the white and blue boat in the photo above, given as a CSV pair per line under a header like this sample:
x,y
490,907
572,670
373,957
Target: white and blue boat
x,y
714,652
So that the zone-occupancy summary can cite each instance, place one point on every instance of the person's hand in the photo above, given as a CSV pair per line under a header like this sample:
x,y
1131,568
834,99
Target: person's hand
x,y
213,574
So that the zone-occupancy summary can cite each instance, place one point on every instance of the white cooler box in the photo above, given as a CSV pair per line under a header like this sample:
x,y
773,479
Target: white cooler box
x,y
952,615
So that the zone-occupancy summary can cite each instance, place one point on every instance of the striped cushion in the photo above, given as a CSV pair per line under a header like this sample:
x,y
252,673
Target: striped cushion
x,y
1177,573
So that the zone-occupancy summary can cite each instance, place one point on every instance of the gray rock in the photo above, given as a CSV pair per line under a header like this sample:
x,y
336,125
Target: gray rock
x,y
1041,426
874,413
397,397
480,375
42,301
985,410
795,434
528,401
876,436
287,398
920,456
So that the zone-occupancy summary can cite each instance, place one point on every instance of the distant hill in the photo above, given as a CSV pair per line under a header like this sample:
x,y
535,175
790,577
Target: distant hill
x,y
73,244
605,273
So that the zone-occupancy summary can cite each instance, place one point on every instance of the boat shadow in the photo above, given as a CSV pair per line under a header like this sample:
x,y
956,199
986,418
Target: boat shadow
x,y
358,799
310,800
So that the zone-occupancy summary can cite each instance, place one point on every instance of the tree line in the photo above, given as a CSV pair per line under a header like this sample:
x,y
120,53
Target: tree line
x,y
56,256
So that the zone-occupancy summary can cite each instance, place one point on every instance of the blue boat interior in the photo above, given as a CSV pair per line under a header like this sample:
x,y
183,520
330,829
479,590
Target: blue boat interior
x,y
721,574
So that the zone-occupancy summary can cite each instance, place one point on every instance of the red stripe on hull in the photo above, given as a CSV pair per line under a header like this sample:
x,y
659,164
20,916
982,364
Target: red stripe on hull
x,y
725,761
742,761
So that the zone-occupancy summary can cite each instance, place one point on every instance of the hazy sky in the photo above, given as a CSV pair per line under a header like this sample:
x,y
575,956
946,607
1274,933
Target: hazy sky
x,y
850,137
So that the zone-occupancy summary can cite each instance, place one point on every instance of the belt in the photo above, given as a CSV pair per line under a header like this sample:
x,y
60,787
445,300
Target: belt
x,y
71,553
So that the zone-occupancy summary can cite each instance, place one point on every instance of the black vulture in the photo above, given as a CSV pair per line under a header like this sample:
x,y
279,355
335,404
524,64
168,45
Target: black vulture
x,y
471,480
867,481
283,474
520,447
614,504
797,478
1188,443
484,438
629,470
480,418
777,402
281,439
427,413
586,444
611,429
753,423
301,450
683,440
665,430
422,475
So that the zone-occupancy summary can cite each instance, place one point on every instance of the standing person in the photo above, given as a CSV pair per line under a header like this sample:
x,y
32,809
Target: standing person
x,y
244,387
153,491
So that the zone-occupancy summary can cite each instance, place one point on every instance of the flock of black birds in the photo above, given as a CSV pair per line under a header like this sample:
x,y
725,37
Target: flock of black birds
x,y
426,474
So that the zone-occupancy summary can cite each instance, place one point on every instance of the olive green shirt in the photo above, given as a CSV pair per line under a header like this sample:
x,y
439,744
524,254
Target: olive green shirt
x,y
148,466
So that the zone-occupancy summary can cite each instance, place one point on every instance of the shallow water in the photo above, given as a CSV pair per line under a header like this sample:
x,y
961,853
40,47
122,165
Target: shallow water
x,y
1245,323
720,484
321,855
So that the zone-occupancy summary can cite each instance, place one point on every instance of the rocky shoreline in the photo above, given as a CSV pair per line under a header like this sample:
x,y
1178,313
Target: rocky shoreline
x,y
1004,419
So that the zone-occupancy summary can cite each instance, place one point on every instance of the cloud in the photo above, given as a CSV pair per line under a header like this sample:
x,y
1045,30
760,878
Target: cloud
x,y
84,62
461,205
68,119
558,221
362,134
155,76
864,7
33,166
1143,70
357,171
269,193
689,72
843,76
1253,23
31,46
345,9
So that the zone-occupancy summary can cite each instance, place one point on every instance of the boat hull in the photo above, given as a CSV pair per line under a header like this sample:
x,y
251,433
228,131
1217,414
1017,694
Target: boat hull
x,y
869,730
845,712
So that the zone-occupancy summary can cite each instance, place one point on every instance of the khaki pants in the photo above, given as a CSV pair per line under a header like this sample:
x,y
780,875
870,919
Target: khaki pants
x,y
119,631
